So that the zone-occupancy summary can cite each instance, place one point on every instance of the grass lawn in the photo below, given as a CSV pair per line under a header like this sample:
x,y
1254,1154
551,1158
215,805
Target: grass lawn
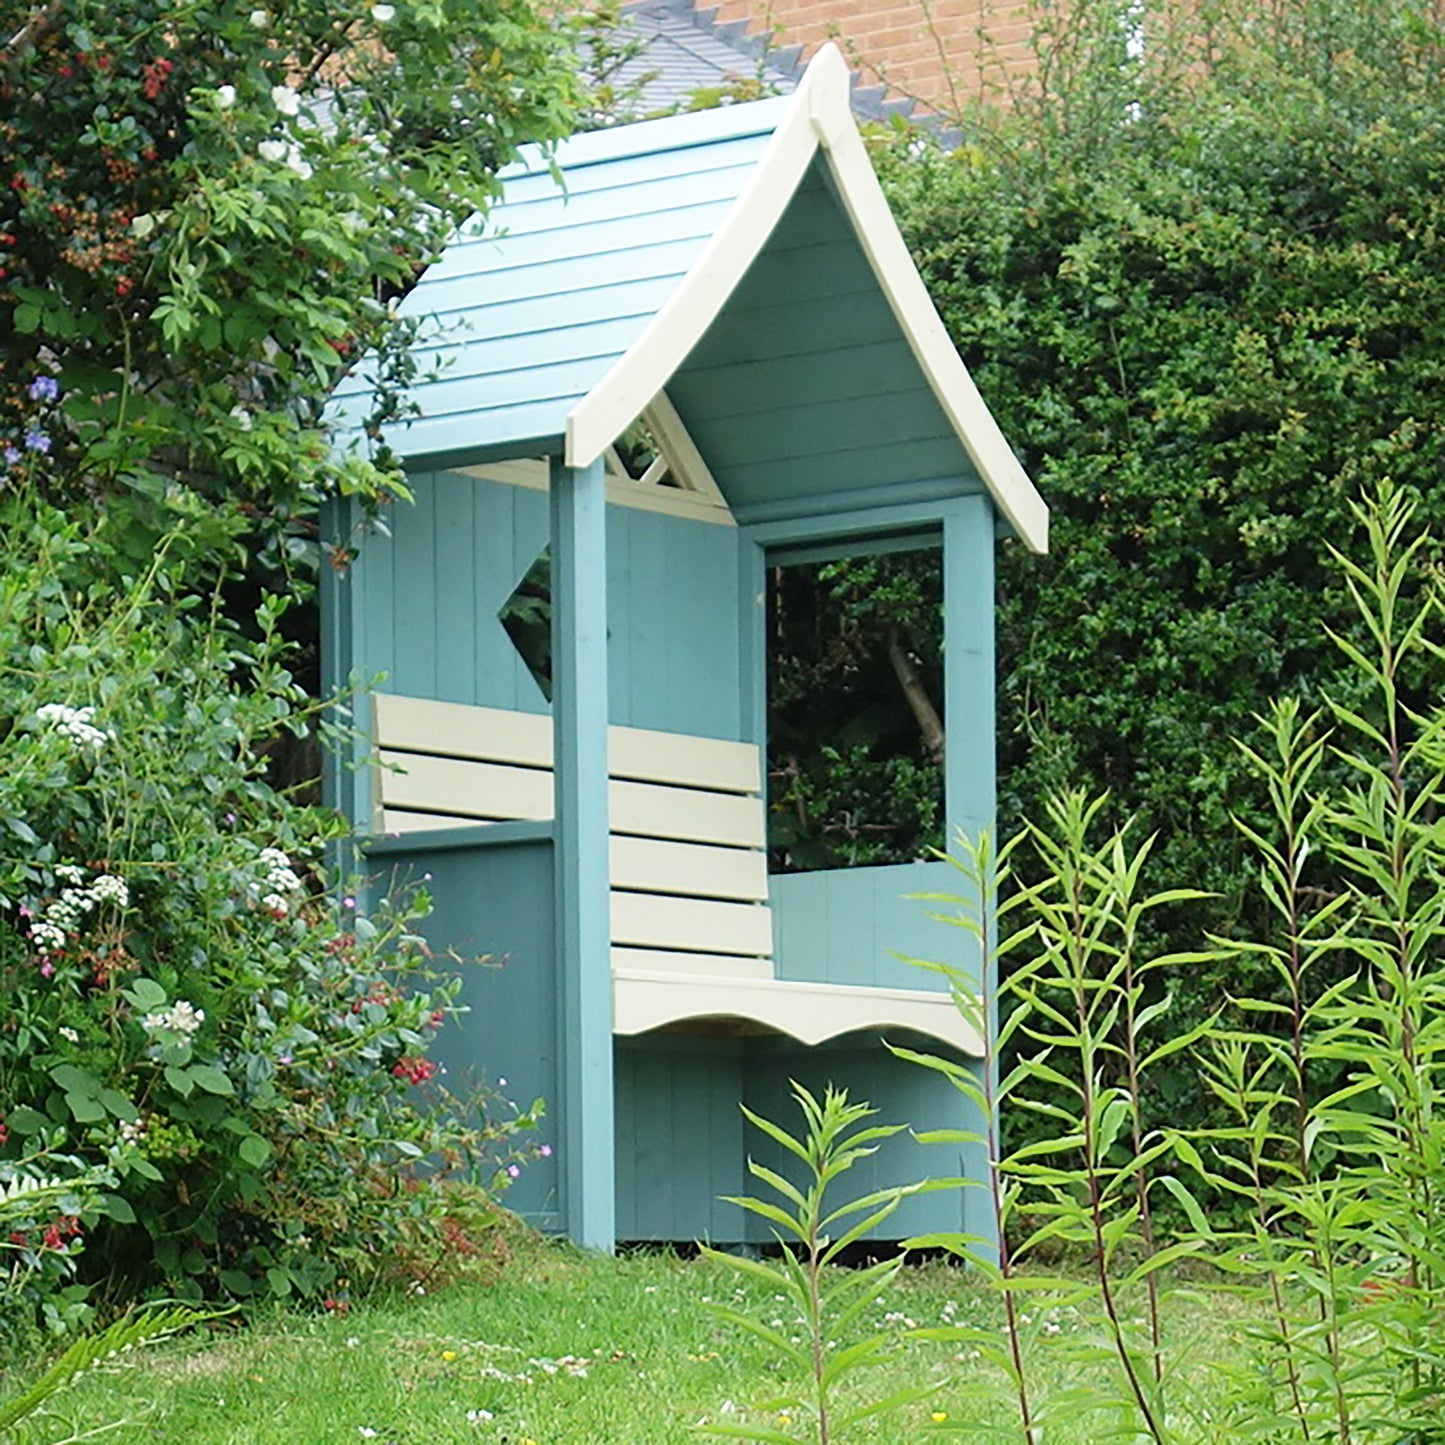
x,y
564,1347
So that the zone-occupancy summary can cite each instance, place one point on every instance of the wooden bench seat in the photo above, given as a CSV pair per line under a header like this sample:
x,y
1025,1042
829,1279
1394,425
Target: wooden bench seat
x,y
691,928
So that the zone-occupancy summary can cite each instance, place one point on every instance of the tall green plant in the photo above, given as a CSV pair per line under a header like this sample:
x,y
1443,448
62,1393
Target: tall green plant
x,y
829,1303
1329,1080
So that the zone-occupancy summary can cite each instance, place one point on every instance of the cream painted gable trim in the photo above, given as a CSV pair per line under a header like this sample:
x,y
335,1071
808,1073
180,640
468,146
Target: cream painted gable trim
x,y
887,253
649,363
696,495
819,118
675,444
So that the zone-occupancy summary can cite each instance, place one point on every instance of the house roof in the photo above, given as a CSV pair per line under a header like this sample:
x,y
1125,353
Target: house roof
x,y
742,260
683,50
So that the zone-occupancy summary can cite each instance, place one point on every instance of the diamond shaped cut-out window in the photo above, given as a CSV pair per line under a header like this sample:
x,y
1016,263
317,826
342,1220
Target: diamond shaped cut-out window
x,y
526,618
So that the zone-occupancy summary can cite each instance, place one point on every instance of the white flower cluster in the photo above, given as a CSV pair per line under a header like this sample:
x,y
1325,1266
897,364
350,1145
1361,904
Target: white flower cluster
x,y
279,883
75,723
65,914
181,1018
133,1132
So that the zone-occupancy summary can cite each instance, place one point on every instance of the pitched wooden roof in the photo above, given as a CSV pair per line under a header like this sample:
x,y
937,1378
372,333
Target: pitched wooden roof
x,y
744,261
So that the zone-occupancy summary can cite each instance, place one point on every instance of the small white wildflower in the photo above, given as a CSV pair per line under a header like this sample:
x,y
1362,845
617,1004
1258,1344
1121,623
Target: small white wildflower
x,y
68,1033
133,1132
47,937
285,99
225,96
110,889
181,1018
272,150
241,417
383,14
352,1341
479,1417
260,19
74,723
275,903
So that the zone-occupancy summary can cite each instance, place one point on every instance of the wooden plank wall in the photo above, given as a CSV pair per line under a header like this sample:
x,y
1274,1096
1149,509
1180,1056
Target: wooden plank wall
x,y
428,597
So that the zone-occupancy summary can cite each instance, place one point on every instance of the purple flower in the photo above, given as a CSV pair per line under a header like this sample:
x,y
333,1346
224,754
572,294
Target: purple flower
x,y
545,1151
44,388
11,456
47,969
37,441
348,903
515,1170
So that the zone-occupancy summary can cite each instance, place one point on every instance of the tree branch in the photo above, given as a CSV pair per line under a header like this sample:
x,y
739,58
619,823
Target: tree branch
x,y
924,712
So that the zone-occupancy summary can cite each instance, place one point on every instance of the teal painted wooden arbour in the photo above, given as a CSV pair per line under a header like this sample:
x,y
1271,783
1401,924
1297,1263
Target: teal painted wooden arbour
x,y
733,278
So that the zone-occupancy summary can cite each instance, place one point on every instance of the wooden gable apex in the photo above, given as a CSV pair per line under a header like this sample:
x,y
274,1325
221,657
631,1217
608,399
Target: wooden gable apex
x,y
563,318
817,123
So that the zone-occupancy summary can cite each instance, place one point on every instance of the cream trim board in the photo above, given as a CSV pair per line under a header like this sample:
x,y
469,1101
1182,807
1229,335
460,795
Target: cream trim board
x,y
531,473
809,1012
648,364
676,444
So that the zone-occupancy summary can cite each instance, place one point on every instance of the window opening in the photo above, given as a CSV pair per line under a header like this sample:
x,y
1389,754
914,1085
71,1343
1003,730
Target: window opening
x,y
526,618
855,710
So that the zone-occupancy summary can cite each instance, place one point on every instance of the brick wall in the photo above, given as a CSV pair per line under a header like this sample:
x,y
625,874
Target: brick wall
x,y
982,41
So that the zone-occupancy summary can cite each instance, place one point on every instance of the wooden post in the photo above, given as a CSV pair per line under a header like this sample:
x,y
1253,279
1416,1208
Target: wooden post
x,y
579,720
968,651
970,787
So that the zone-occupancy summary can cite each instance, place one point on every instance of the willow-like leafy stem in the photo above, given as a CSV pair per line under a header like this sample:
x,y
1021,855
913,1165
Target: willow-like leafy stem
x,y
1075,931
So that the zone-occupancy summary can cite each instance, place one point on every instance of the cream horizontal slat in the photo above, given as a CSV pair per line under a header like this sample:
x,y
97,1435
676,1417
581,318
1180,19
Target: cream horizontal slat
x,y
463,788
683,758
652,920
648,810
693,965
501,735
488,734
660,865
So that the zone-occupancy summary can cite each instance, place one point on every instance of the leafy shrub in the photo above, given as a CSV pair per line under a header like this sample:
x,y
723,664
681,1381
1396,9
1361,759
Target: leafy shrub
x,y
1201,292
204,215
189,1007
